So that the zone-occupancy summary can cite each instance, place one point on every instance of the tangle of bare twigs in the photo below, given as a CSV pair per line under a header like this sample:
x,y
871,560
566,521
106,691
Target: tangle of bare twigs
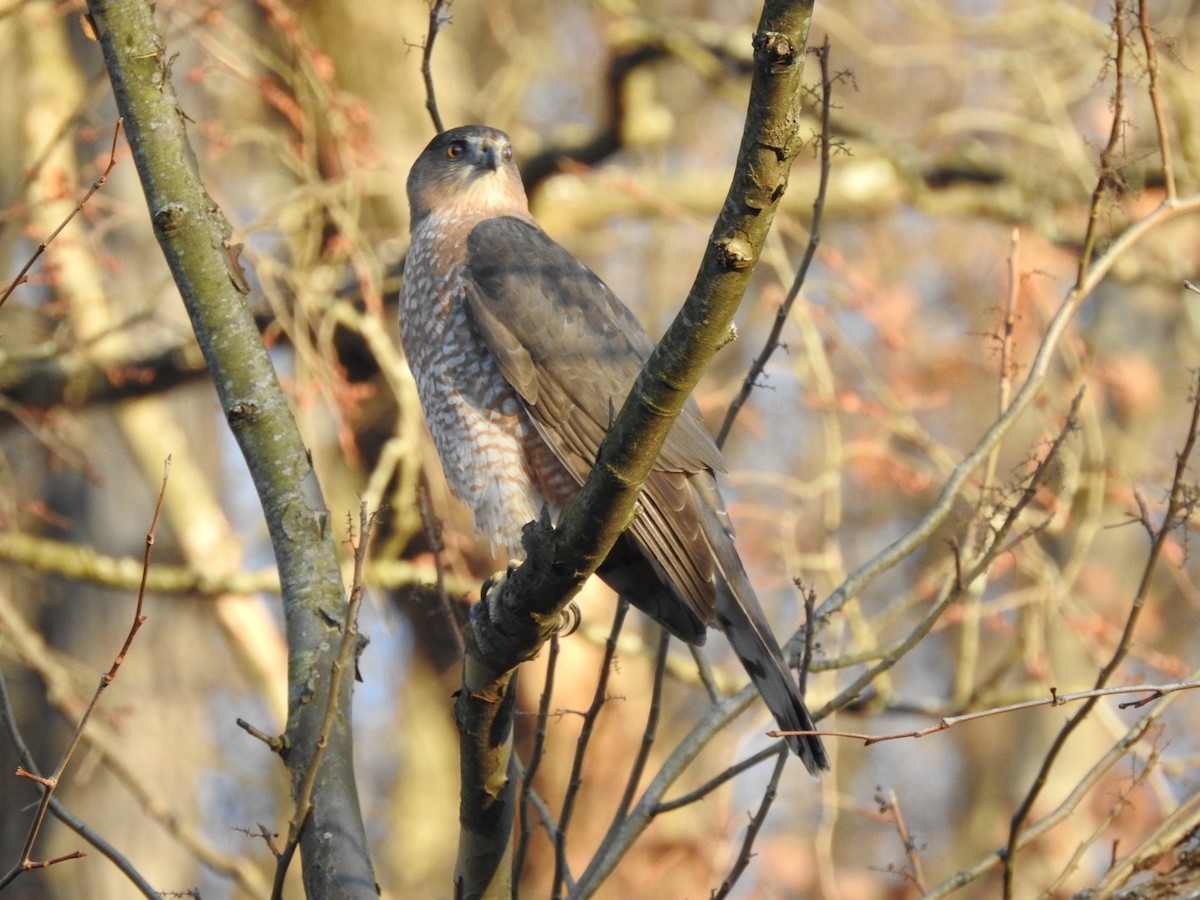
x,y
51,782
23,275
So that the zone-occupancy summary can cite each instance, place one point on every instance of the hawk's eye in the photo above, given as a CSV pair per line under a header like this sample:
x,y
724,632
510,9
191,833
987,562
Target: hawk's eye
x,y
506,154
456,149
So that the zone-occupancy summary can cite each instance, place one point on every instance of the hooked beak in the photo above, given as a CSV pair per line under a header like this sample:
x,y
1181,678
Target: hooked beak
x,y
491,157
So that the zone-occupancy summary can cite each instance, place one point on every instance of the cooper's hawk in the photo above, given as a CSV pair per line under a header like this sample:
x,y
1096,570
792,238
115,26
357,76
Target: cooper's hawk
x,y
522,355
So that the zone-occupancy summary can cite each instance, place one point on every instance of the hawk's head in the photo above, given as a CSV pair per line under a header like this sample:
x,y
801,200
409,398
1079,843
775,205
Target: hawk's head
x,y
467,169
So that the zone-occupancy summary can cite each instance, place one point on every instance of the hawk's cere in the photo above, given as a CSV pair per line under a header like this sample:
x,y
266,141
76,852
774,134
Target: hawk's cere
x,y
522,355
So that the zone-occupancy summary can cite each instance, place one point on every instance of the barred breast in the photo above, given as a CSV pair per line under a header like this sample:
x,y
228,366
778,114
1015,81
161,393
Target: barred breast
x,y
493,458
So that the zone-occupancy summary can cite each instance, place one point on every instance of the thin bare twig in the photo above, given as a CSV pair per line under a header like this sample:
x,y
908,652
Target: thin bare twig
x,y
275,743
22,276
810,638
891,804
651,730
1108,176
535,760
343,664
51,782
704,671
1009,326
439,18
1032,485
1154,692
745,854
536,805
969,630
726,774
772,342
599,698
1160,116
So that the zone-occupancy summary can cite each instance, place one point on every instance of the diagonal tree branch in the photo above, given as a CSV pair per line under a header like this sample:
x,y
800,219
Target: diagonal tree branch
x,y
518,615
196,240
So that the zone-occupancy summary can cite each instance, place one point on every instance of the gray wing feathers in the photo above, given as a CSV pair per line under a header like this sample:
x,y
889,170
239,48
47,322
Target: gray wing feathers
x,y
572,351
562,338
